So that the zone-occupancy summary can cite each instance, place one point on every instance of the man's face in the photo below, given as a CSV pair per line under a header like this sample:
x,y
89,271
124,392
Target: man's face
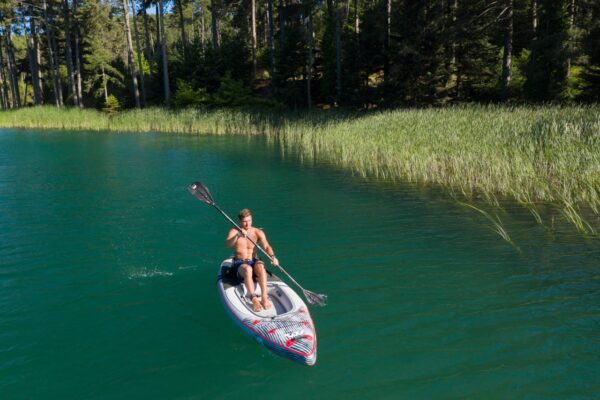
x,y
246,222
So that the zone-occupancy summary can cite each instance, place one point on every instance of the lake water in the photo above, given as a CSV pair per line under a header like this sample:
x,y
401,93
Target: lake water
x,y
108,269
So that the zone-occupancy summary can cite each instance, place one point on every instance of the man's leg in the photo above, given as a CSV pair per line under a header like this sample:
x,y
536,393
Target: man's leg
x,y
246,273
261,273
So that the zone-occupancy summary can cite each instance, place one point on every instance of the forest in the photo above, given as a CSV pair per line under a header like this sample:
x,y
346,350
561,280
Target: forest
x,y
291,54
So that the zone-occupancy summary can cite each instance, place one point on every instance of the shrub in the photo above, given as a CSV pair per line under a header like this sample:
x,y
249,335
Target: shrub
x,y
231,93
187,96
111,105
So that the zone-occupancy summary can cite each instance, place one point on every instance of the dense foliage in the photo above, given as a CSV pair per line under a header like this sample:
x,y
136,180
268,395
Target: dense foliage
x,y
297,53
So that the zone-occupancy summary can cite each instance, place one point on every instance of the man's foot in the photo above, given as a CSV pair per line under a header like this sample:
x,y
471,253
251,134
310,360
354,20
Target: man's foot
x,y
266,303
256,306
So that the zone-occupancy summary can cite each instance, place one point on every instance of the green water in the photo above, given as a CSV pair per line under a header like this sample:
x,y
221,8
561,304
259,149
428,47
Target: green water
x,y
108,269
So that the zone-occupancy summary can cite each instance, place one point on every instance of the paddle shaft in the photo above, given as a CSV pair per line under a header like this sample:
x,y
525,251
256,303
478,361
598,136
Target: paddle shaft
x,y
255,244
201,192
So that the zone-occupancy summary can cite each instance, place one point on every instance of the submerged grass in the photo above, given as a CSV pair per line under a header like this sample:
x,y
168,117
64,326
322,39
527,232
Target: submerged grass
x,y
531,154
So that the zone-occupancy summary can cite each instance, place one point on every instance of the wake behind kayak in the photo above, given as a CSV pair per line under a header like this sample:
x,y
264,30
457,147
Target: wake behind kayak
x,y
286,329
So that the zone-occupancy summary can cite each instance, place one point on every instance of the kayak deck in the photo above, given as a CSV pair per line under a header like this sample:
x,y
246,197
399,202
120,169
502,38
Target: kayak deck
x,y
286,328
280,304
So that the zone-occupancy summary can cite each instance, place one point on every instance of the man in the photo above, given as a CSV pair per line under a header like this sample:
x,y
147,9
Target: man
x,y
246,263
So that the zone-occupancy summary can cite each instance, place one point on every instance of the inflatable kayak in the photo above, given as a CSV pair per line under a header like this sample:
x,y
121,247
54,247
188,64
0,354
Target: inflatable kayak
x,y
286,328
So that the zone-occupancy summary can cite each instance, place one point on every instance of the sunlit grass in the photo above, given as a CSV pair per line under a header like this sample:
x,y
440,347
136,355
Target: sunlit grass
x,y
531,154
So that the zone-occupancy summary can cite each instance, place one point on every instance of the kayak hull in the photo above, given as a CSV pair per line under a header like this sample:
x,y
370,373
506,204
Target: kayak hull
x,y
286,329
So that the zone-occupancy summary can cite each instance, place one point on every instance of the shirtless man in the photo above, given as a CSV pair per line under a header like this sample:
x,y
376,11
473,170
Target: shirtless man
x,y
246,263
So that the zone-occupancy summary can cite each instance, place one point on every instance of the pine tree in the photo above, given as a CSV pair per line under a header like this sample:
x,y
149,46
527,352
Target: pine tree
x,y
547,69
101,51
591,47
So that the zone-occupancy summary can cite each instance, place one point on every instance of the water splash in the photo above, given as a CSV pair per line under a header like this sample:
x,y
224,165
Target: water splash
x,y
144,272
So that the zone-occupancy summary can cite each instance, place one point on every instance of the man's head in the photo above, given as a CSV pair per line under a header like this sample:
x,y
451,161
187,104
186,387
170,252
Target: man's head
x,y
245,217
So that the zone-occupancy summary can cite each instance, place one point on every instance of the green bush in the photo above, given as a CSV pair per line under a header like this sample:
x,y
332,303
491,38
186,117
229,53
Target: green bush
x,y
231,93
111,105
186,95
576,83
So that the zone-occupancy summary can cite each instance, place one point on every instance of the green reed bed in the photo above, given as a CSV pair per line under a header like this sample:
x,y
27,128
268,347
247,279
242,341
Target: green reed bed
x,y
152,119
541,154
532,154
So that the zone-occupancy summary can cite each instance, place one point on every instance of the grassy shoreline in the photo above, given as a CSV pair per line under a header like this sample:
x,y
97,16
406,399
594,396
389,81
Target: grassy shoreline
x,y
543,154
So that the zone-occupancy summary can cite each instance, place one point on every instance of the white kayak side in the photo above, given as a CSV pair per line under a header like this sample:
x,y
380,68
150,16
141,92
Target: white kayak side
x,y
286,329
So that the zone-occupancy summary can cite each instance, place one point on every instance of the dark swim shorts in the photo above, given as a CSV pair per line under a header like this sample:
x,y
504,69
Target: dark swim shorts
x,y
238,262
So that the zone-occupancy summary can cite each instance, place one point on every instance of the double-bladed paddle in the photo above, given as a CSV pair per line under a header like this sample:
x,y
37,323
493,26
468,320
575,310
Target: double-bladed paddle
x,y
199,191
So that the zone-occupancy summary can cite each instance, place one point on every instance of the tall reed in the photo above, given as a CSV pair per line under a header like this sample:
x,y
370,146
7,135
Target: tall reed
x,y
532,154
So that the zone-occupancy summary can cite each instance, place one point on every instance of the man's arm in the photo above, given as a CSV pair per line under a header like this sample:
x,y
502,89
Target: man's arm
x,y
232,237
262,240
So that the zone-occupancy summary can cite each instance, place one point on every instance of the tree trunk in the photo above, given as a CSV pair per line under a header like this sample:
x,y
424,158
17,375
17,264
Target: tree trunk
x,y
281,15
104,86
24,82
3,78
130,60
309,66
456,51
386,39
571,24
338,52
388,30
49,48
165,63
33,71
149,44
68,52
534,17
266,28
158,31
13,63
77,55
506,59
571,13
3,87
356,21
139,52
271,36
357,44
9,75
253,39
38,55
194,31
57,64
31,52
182,26
203,38
78,70
12,69
214,13
452,11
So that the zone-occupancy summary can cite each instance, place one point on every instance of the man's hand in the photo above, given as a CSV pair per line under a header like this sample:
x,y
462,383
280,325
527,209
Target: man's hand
x,y
274,261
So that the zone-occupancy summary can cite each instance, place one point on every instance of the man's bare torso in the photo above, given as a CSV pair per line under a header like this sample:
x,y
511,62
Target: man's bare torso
x,y
244,248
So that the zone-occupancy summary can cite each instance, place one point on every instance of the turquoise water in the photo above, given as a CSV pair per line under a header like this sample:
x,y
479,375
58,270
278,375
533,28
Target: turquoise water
x,y
108,270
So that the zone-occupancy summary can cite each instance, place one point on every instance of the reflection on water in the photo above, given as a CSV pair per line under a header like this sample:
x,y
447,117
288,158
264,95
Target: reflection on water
x,y
108,269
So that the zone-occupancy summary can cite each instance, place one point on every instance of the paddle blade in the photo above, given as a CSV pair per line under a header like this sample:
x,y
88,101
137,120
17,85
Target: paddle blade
x,y
199,191
315,298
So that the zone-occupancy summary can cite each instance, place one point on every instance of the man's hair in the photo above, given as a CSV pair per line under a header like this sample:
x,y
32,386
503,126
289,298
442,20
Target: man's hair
x,y
244,213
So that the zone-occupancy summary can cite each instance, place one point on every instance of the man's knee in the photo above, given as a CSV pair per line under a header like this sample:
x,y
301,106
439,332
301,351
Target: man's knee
x,y
245,269
259,268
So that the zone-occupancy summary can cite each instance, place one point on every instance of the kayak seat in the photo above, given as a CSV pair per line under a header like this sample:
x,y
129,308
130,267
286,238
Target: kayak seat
x,y
230,277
